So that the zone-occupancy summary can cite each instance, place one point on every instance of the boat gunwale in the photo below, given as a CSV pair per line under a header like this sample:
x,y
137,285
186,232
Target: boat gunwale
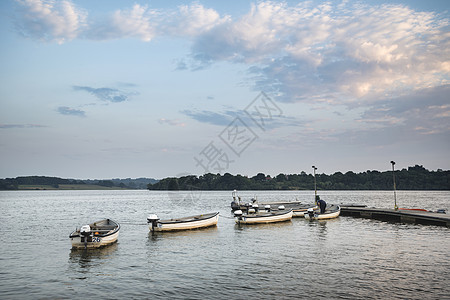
x,y
189,219
335,209
268,214
76,233
315,207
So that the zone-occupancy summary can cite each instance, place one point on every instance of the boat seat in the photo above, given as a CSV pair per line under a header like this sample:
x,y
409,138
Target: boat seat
x,y
102,231
105,227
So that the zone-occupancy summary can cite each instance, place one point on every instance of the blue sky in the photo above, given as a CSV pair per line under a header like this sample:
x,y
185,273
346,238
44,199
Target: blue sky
x,y
106,89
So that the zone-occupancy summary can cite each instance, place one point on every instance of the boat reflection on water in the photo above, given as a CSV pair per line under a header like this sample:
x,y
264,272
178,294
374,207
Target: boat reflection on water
x,y
263,226
179,243
191,233
87,258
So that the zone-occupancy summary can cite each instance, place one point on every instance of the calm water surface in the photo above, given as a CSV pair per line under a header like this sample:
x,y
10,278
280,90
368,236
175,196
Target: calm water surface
x,y
345,258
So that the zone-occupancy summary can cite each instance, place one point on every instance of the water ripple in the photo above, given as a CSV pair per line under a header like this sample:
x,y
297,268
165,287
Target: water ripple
x,y
346,258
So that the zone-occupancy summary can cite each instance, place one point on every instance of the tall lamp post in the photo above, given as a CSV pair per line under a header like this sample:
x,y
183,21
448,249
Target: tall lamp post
x,y
315,187
393,177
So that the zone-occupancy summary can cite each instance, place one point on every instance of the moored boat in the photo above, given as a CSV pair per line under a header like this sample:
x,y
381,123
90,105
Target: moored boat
x,y
301,210
98,234
333,211
298,208
185,223
262,217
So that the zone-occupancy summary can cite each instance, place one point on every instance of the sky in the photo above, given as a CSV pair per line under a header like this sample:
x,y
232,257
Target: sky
x,y
127,89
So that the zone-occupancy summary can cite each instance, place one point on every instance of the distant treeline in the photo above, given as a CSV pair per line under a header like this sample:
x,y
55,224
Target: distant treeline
x,y
413,178
55,182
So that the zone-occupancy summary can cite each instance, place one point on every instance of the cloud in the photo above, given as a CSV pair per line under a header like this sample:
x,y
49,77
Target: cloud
x,y
190,20
348,54
11,126
62,21
68,111
105,94
171,122
224,118
50,21
145,24
136,22
425,112
204,116
181,65
419,119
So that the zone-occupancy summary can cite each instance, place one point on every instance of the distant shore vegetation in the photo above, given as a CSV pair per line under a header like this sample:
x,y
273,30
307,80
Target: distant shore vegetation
x,y
412,178
56,183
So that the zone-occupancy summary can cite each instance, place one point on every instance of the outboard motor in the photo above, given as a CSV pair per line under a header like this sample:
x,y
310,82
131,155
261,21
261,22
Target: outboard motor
x,y
255,207
153,219
311,213
238,214
85,232
267,208
281,207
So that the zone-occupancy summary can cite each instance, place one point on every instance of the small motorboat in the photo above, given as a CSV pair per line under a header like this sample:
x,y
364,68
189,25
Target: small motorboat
x,y
297,207
186,223
98,234
301,210
333,211
253,216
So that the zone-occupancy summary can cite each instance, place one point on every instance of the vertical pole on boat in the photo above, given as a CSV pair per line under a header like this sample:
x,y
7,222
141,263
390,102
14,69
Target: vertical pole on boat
x,y
393,177
315,186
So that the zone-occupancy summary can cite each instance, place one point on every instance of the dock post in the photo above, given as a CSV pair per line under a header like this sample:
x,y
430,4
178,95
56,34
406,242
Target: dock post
x,y
315,187
393,177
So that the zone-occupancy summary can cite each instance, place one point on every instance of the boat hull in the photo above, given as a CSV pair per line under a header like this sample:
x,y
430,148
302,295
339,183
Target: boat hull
x,y
287,204
95,241
98,238
264,218
325,216
188,223
300,212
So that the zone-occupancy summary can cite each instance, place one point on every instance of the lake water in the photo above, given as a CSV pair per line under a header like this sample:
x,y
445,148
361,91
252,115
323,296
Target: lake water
x,y
348,258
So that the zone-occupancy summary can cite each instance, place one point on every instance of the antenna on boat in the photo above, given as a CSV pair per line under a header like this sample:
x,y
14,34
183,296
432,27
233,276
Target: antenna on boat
x,y
315,186
393,177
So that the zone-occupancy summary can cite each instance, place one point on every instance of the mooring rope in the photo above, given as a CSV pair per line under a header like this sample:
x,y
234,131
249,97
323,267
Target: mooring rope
x,y
226,217
131,223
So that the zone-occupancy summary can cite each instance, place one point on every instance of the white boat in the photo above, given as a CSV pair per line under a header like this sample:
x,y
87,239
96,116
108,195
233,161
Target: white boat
x,y
95,235
330,213
298,207
186,223
262,217
300,211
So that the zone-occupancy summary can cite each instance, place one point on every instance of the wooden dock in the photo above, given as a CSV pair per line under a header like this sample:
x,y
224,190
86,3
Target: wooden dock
x,y
405,216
